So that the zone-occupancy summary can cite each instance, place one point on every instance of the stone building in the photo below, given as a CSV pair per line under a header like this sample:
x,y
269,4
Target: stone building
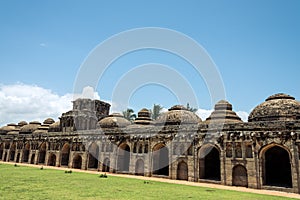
x,y
261,153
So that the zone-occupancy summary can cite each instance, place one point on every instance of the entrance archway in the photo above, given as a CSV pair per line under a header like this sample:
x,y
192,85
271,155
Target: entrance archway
x,y
93,156
106,165
182,171
32,159
161,160
123,158
239,176
209,163
77,162
26,152
52,160
65,153
139,167
12,152
42,153
277,169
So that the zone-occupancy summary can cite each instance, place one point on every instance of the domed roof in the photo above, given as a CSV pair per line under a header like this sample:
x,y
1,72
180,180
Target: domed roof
x,y
48,121
223,114
29,128
276,107
55,127
144,117
22,123
113,121
8,128
177,115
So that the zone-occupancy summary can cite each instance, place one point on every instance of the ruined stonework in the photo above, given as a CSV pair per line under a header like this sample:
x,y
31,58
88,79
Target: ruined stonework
x,y
261,153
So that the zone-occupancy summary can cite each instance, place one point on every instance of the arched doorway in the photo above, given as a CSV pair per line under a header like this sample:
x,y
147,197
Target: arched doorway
x,y
182,171
26,152
32,159
123,158
106,165
65,153
77,162
161,160
42,153
139,167
52,160
12,152
1,151
239,176
18,157
277,167
209,163
93,156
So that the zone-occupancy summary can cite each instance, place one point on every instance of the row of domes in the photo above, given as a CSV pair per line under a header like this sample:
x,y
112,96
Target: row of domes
x,y
276,107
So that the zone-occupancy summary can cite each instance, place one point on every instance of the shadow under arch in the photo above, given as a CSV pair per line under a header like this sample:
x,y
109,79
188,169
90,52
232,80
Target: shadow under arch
x,y
160,159
123,158
276,165
209,162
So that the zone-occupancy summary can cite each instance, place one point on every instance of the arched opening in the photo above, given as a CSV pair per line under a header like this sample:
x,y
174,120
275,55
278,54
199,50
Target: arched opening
x,y
209,163
42,153
182,171
1,151
106,165
139,167
239,176
12,152
277,167
65,153
26,152
123,158
18,157
93,156
77,162
32,159
161,160
52,160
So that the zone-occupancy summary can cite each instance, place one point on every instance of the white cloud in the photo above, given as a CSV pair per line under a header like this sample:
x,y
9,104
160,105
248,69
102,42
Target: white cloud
x,y
203,114
30,102
243,115
43,45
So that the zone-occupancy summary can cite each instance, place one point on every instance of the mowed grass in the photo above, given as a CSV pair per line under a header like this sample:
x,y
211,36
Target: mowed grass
x,y
33,183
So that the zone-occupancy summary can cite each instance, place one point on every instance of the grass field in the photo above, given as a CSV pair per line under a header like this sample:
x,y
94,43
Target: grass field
x,y
33,183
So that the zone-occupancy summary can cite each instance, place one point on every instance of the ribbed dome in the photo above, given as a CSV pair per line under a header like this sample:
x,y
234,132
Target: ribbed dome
x,y
276,107
223,114
55,127
144,117
177,115
113,121
48,121
29,128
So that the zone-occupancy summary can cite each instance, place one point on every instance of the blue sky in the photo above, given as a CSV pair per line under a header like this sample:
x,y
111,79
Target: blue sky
x,y
254,44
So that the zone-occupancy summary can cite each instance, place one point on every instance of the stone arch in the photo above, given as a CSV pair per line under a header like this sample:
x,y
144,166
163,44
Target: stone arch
x,y
1,151
106,165
12,152
123,157
239,176
139,167
161,159
18,157
32,160
93,156
209,163
276,166
26,152
77,161
140,150
42,153
52,159
65,153
182,171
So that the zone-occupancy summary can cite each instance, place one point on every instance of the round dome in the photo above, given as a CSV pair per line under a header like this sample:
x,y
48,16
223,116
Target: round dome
x,y
223,114
48,121
55,127
177,115
22,123
144,117
113,121
29,128
276,107
8,128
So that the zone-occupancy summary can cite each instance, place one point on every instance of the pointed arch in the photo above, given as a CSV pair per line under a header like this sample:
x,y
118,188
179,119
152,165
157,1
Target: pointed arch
x,y
12,151
106,165
52,159
209,163
160,159
139,167
77,162
239,176
65,153
182,171
123,157
26,152
93,156
42,153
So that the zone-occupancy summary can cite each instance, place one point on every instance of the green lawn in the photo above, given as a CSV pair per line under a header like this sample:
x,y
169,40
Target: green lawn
x,y
33,183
